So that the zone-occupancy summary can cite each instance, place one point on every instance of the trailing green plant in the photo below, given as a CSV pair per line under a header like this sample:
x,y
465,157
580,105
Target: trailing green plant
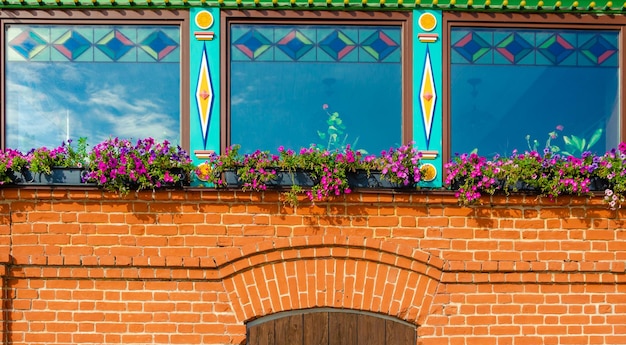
x,y
612,170
257,170
549,174
326,170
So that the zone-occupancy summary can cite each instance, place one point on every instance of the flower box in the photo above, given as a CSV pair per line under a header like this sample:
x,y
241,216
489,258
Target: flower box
x,y
69,176
283,179
373,180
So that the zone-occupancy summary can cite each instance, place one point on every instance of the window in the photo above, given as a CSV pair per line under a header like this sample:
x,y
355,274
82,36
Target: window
x,y
330,82
93,80
527,86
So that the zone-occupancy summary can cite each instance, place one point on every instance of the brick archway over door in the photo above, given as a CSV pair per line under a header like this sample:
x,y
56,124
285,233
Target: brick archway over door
x,y
341,272
327,326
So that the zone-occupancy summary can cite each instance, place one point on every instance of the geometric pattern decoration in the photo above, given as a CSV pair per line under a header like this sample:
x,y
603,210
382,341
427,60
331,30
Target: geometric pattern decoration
x,y
28,44
115,44
514,48
87,43
379,45
598,49
471,47
556,49
158,45
549,47
72,44
337,45
253,44
428,96
204,94
310,43
295,44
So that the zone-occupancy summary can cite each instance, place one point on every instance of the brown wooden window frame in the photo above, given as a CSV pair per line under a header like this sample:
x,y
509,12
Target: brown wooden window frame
x,y
526,20
402,19
108,17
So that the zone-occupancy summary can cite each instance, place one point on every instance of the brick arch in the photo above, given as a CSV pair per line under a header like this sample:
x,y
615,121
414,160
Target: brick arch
x,y
338,272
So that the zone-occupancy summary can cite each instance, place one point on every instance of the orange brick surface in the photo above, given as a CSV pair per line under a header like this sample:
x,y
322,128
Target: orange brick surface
x,y
194,266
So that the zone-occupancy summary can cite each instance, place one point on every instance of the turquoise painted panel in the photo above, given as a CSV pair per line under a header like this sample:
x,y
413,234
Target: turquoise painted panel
x,y
204,128
428,92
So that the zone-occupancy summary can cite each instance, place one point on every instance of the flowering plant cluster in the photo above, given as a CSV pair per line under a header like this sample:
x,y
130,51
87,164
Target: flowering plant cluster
x,y
254,170
401,165
120,165
547,174
11,162
328,169
42,159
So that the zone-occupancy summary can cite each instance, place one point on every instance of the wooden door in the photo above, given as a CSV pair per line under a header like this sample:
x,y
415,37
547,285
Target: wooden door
x,y
329,327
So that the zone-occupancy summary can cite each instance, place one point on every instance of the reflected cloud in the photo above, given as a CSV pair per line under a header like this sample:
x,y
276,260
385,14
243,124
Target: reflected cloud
x,y
90,100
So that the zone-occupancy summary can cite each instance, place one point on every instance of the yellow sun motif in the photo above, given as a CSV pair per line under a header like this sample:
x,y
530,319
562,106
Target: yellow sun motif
x,y
204,171
204,19
429,172
427,22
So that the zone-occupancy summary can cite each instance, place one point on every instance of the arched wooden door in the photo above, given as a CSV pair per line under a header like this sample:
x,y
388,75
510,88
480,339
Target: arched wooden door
x,y
329,327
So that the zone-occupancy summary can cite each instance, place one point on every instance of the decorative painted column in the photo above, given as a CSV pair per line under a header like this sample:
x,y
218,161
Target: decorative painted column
x,y
204,67
427,90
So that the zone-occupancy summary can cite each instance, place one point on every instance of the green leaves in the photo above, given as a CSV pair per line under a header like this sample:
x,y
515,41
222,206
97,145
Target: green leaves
x,y
575,146
334,138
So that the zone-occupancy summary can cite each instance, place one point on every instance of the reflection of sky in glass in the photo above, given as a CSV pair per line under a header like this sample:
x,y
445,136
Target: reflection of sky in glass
x,y
276,101
494,107
276,104
567,78
47,102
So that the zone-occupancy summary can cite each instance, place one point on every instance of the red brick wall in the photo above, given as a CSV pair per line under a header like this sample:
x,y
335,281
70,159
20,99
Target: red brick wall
x,y
191,267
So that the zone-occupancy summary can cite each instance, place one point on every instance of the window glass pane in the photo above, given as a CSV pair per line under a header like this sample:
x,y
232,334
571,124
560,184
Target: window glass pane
x,y
91,81
287,81
510,88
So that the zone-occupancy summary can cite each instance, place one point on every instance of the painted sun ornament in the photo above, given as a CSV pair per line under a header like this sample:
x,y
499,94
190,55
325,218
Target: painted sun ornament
x,y
204,20
203,171
427,22
428,171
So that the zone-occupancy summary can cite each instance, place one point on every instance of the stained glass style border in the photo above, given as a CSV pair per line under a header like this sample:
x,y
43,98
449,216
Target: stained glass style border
x,y
68,43
598,48
315,43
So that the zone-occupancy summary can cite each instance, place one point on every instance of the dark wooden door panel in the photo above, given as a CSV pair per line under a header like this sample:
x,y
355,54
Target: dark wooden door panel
x,y
330,328
399,334
262,334
315,329
371,330
342,328
288,330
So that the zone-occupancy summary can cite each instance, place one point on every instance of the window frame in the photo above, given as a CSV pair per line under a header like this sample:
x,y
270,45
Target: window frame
x,y
109,17
525,21
403,19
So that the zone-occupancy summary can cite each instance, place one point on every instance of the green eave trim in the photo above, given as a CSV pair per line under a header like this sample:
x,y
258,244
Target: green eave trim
x,y
530,6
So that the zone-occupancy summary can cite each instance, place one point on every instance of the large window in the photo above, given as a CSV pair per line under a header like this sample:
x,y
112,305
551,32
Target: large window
x,y
530,87
91,80
328,83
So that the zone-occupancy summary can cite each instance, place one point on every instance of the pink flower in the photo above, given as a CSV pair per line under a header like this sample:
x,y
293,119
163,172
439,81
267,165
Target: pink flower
x,y
324,106
559,127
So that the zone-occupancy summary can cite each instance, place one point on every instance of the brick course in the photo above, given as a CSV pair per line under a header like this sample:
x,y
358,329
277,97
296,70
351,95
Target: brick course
x,y
193,266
